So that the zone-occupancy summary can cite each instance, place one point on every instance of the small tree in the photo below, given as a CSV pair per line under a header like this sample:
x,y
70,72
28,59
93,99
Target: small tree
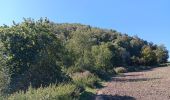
x,y
102,56
79,48
33,54
161,54
148,55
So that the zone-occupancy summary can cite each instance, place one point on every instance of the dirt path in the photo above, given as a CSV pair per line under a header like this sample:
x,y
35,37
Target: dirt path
x,y
147,85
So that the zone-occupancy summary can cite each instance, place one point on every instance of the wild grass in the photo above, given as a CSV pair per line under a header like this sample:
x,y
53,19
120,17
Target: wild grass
x,y
85,79
53,92
120,70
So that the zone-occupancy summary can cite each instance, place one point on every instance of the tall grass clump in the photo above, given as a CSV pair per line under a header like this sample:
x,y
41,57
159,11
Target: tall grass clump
x,y
85,79
120,70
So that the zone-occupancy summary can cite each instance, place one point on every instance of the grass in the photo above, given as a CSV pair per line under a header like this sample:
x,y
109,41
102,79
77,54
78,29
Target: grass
x,y
86,79
88,94
120,70
67,91
83,87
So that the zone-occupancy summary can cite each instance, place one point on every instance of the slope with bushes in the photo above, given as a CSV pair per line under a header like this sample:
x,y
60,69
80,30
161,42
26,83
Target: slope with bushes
x,y
40,53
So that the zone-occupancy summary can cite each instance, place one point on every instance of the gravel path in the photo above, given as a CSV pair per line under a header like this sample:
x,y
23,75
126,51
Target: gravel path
x,y
147,85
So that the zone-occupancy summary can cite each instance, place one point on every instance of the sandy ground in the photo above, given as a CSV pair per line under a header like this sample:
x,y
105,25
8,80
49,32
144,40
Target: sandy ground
x,y
146,85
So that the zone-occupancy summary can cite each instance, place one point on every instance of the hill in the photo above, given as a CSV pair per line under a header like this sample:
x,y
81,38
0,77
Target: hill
x,y
40,53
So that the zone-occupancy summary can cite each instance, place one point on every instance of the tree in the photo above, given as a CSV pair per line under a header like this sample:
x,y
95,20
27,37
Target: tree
x,y
161,54
79,47
149,56
33,54
102,56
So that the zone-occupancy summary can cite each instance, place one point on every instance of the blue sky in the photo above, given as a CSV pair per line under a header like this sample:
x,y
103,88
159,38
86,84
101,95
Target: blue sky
x,y
149,19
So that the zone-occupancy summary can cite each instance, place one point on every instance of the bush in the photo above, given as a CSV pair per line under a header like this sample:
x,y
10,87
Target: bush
x,y
4,81
138,68
85,79
33,54
120,70
168,63
2,98
52,92
103,74
71,70
4,73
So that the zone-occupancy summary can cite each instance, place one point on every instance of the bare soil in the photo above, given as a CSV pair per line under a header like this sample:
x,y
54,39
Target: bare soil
x,y
146,85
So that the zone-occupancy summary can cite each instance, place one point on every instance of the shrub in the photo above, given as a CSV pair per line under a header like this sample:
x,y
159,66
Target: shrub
x,y
168,64
4,73
71,70
102,56
4,81
52,92
2,98
85,79
120,70
33,54
103,74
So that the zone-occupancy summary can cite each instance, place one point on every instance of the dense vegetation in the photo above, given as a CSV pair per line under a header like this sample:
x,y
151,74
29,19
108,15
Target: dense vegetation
x,y
41,53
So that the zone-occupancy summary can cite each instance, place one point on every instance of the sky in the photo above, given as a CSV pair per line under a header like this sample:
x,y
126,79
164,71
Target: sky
x,y
148,19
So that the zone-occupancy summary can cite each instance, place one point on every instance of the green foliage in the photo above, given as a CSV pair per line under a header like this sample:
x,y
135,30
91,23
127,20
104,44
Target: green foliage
x,y
33,54
161,54
85,79
148,56
120,70
168,63
89,94
72,69
4,72
102,56
4,80
126,50
52,92
79,47
41,52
